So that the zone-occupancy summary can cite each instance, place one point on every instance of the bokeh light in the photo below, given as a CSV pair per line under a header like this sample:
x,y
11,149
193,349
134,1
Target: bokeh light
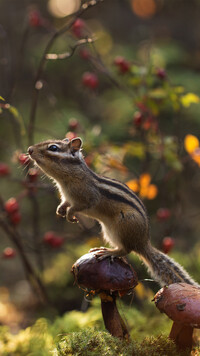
x,y
144,8
62,8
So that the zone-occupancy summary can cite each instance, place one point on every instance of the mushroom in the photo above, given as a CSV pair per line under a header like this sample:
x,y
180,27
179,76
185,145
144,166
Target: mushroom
x,y
108,278
181,303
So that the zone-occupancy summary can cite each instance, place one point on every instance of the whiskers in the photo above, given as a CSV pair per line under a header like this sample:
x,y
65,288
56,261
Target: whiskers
x,y
25,166
43,177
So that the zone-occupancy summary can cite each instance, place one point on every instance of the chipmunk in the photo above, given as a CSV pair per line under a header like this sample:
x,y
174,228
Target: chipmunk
x,y
120,212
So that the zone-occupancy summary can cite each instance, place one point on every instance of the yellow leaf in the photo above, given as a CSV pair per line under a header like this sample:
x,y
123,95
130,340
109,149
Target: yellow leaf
x,y
152,192
191,142
145,179
140,291
143,292
189,99
158,93
133,185
117,165
196,156
144,192
2,98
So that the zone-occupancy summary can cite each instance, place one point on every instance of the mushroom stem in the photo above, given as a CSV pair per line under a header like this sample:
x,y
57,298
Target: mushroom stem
x,y
182,335
112,319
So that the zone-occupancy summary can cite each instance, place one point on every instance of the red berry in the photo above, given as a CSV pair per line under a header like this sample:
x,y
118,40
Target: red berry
x,y
84,53
49,236
90,80
15,218
73,124
142,106
52,239
4,170
123,65
163,214
148,123
35,19
9,252
57,242
161,73
11,206
167,244
138,118
33,174
23,159
77,28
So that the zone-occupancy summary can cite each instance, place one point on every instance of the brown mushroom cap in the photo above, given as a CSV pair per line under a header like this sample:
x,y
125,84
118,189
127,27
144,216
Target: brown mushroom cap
x,y
181,303
104,275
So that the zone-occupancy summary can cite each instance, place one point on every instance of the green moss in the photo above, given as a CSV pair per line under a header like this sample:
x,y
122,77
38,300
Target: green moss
x,y
91,343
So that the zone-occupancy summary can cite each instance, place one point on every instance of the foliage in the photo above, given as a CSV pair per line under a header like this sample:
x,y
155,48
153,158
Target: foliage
x,y
136,104
81,333
87,342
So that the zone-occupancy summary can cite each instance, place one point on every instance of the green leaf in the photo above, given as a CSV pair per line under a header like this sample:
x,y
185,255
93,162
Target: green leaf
x,y
179,90
173,160
136,149
158,93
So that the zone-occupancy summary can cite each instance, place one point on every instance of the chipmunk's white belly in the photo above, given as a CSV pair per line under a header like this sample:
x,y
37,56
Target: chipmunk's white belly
x,y
65,195
109,226
110,234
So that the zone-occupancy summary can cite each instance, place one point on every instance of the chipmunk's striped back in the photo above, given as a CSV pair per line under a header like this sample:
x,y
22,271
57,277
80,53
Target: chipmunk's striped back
x,y
119,192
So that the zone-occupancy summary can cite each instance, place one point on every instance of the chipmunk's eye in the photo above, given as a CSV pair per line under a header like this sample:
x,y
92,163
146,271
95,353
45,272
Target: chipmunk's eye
x,y
53,148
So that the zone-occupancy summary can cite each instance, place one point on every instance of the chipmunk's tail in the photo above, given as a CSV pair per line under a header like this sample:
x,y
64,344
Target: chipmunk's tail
x,y
164,269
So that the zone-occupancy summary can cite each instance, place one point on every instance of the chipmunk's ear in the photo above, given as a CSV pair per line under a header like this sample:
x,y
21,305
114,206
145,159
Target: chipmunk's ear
x,y
75,144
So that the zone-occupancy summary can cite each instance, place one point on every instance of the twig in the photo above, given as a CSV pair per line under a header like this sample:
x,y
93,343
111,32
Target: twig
x,y
31,126
19,64
54,56
31,275
36,230
98,63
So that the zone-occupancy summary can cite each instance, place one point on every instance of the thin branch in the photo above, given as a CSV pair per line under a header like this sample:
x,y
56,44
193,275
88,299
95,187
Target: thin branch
x,y
54,56
36,230
31,275
98,63
43,60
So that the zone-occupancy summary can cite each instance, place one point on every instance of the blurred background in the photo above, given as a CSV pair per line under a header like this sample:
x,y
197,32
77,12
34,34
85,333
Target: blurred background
x,y
124,76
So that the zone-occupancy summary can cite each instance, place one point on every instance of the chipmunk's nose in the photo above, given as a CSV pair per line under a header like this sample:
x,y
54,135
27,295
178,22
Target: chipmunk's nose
x,y
30,150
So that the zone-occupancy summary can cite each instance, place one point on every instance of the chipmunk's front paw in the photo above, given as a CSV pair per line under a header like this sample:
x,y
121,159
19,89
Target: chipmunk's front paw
x,y
61,211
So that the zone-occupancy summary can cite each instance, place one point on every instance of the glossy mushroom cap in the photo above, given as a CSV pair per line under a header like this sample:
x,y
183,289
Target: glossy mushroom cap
x,y
104,275
181,303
